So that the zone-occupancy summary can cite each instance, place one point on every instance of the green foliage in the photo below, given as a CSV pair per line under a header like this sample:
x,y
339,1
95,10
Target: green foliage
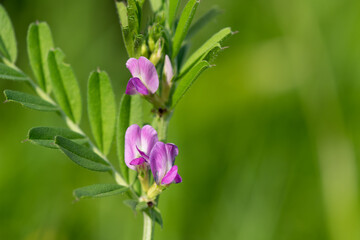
x,y
171,10
203,51
98,191
39,42
65,85
45,136
9,73
122,11
29,101
155,215
8,49
156,5
101,109
131,203
185,20
82,155
123,121
129,16
187,80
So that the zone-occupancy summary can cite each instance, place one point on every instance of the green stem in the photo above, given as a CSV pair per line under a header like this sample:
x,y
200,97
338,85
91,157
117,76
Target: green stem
x,y
148,231
161,123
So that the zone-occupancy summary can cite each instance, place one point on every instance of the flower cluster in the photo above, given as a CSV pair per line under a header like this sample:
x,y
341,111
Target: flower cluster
x,y
143,151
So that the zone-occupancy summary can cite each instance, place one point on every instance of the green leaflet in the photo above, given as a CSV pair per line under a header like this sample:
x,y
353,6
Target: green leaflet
x,y
202,21
171,10
216,39
122,11
9,73
65,85
29,101
122,125
45,136
82,155
187,80
101,109
8,49
186,18
39,42
155,215
98,190
131,203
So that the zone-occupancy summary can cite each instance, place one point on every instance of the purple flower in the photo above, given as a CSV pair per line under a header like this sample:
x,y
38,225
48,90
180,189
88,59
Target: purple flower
x,y
144,79
162,158
138,144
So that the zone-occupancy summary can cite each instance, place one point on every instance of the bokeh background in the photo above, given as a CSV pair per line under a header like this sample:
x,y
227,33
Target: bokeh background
x,y
269,139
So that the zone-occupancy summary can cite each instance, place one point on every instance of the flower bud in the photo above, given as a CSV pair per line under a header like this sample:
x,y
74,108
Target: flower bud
x,y
144,50
151,44
157,53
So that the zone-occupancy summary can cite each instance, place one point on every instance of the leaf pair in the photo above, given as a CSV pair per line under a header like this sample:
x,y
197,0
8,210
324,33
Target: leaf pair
x,y
70,143
48,66
51,72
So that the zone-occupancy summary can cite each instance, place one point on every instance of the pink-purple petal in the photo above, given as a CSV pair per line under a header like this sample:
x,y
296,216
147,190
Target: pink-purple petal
x,y
132,139
139,86
178,179
171,151
149,138
130,88
145,156
170,176
148,74
133,65
168,70
158,160
137,161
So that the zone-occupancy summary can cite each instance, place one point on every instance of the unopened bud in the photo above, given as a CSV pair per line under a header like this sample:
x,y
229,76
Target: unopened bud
x,y
151,44
144,50
157,53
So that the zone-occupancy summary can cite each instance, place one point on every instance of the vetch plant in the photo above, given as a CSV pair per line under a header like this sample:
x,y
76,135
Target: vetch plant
x,y
161,73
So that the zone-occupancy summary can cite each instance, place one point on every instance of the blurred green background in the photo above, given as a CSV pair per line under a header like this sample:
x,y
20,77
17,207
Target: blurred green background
x,y
269,139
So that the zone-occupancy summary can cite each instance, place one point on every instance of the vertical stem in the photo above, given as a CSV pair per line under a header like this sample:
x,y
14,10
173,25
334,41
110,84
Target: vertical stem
x,y
161,123
148,231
